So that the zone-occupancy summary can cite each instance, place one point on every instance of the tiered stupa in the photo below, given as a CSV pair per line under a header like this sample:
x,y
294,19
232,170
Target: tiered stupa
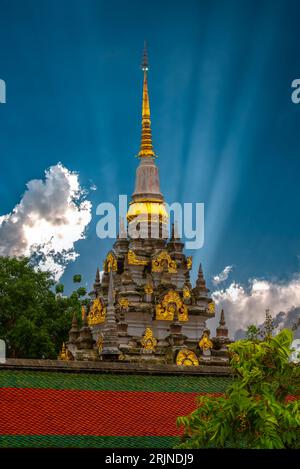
x,y
144,308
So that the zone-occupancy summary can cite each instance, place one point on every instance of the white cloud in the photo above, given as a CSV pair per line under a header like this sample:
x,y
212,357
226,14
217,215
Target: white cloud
x,y
51,216
244,306
222,276
93,187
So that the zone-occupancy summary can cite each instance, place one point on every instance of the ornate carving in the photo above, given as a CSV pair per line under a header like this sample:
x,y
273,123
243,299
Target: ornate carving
x,y
211,307
99,344
148,341
124,303
205,343
189,262
110,263
163,260
171,303
186,292
148,288
63,355
187,357
134,260
97,313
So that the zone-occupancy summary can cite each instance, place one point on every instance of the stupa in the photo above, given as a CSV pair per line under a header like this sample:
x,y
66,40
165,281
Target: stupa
x,y
143,307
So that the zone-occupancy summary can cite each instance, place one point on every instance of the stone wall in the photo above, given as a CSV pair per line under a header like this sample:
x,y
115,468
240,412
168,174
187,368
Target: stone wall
x,y
113,367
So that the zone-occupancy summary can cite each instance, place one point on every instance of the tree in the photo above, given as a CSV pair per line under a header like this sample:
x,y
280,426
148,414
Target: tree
x,y
81,291
255,412
76,278
33,321
59,288
252,332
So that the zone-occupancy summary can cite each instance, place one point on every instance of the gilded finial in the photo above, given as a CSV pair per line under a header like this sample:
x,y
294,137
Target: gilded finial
x,y
146,149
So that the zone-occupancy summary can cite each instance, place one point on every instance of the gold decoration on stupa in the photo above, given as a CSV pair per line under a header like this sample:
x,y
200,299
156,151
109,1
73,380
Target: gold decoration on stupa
x,y
171,303
63,354
144,208
211,307
110,263
99,344
148,288
186,292
205,343
187,357
148,341
189,262
97,313
124,303
163,260
134,260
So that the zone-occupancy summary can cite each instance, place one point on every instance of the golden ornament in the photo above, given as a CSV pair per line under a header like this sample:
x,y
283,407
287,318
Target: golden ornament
x,y
63,354
99,344
205,343
110,263
189,262
170,304
163,260
186,292
124,303
97,312
187,357
148,340
134,260
148,289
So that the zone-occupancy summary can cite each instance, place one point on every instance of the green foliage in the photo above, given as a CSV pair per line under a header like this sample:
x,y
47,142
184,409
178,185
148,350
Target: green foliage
x,y
268,327
81,291
76,278
252,332
255,411
265,331
33,320
59,288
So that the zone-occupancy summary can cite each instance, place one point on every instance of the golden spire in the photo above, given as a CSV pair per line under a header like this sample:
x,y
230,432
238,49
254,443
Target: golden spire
x,y
146,140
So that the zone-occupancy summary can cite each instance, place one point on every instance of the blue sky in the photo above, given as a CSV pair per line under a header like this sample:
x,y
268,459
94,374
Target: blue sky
x,y
224,126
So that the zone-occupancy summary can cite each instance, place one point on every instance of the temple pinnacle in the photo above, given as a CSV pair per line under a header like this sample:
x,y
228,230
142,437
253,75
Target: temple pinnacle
x,y
110,297
145,64
200,282
98,275
74,320
222,318
146,149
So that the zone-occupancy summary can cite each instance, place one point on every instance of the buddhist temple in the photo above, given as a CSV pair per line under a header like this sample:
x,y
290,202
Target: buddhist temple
x,y
143,307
